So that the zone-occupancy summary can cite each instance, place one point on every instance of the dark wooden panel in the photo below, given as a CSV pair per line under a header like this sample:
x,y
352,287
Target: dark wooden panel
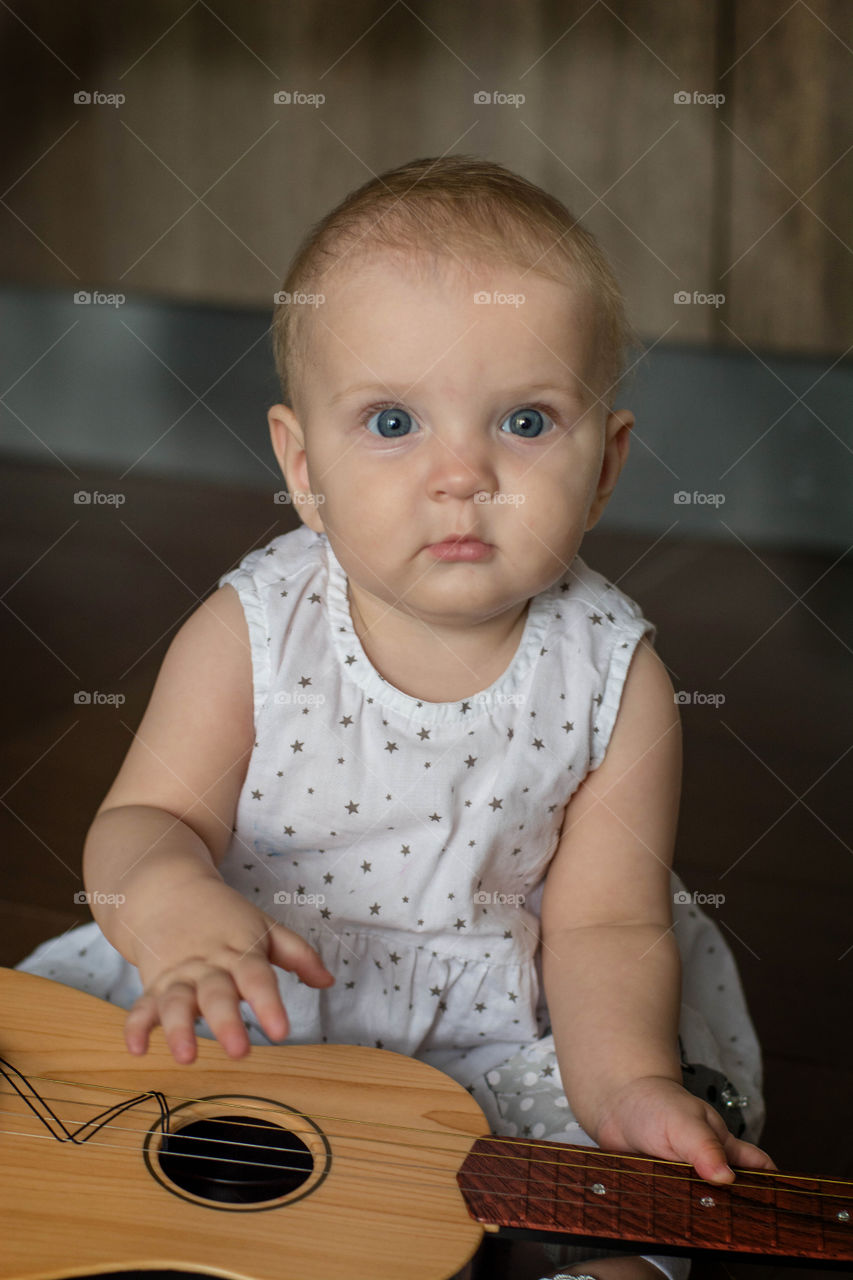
x,y
789,272
113,203
684,197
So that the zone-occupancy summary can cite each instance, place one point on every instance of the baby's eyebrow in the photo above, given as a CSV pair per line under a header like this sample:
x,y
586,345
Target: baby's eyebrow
x,y
517,392
376,387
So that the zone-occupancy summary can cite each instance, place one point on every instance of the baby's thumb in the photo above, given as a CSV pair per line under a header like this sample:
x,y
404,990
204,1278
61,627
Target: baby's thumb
x,y
700,1146
293,953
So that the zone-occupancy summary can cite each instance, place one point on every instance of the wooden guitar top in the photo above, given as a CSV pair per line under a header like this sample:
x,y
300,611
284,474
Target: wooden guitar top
x,y
386,1136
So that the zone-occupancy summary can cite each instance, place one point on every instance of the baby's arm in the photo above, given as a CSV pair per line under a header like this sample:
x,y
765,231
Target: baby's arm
x,y
611,964
151,854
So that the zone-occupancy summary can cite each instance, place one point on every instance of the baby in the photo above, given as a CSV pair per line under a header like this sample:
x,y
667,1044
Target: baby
x,y
410,777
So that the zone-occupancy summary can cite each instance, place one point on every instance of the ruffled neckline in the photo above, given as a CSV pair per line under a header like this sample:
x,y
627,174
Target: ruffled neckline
x,y
358,668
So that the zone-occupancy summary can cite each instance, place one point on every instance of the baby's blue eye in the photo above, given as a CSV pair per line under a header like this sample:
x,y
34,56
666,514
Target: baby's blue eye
x,y
526,423
390,423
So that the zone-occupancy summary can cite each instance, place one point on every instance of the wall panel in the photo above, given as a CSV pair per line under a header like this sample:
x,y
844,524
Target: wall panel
x,y
105,197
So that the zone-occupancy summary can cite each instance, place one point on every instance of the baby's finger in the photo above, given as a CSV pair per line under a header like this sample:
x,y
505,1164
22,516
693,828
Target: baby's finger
x,y
696,1142
178,1011
139,1022
747,1156
293,953
258,986
219,1003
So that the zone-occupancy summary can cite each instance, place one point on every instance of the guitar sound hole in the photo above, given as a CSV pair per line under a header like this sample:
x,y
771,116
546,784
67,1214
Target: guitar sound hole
x,y
235,1159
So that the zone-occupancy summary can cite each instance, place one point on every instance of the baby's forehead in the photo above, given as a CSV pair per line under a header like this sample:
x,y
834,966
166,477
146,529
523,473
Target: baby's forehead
x,y
393,316
366,339
498,292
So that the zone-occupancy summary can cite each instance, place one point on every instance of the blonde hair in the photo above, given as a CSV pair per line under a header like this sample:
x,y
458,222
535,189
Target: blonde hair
x,y
444,205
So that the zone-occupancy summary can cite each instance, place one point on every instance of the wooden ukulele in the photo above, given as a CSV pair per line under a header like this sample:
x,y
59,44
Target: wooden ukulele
x,y
321,1161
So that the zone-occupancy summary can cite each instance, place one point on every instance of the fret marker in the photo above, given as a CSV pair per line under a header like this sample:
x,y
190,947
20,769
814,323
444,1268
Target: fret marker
x,y
599,1188
843,1215
707,1202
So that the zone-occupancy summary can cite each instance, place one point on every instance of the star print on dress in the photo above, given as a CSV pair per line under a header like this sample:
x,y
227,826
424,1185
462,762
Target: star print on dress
x,y
398,810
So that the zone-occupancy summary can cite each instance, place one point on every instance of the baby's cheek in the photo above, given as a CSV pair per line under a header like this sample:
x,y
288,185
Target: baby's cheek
x,y
554,512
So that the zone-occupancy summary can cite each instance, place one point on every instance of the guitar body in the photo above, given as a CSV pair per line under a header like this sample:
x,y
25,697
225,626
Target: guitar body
x,y
383,1134
320,1161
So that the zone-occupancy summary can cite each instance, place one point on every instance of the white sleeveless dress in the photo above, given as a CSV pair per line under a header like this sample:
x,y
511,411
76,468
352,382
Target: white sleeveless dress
x,y
408,842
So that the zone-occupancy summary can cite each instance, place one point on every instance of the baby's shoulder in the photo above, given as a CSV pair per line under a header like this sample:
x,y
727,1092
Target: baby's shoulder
x,y
288,557
587,600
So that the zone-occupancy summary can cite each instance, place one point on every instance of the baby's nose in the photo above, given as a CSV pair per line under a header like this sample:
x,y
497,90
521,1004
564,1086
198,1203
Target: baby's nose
x,y
460,469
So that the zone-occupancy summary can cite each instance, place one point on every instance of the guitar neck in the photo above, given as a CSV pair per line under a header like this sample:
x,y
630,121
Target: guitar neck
x,y
553,1187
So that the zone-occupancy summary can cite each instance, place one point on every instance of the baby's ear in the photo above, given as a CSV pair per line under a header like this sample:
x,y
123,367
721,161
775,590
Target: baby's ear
x,y
617,439
288,442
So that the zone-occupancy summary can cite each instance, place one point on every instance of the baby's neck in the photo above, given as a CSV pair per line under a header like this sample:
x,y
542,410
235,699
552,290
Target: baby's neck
x,y
435,665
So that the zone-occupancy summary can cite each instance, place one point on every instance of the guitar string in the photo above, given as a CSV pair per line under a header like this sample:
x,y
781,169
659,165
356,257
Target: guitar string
x,y
611,1229
622,1157
252,1105
439,1177
554,1202
10,1072
533,1164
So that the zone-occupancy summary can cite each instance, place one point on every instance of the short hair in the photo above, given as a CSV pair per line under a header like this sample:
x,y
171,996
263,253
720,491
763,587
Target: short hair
x,y
437,206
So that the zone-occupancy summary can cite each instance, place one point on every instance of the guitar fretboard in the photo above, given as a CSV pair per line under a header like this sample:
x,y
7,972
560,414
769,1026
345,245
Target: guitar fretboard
x,y
581,1191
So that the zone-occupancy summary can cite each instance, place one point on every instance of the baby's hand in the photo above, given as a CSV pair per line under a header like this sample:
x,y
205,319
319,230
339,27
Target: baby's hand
x,y
655,1116
199,955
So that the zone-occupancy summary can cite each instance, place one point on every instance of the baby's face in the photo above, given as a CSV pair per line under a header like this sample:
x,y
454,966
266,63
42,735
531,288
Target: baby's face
x,y
424,413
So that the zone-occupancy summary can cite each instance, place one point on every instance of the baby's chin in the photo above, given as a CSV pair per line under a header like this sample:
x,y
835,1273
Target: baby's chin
x,y
458,604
